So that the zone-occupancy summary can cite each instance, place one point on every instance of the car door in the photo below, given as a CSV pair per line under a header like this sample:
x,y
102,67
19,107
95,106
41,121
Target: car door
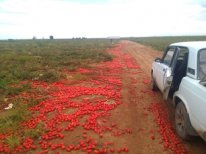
x,y
165,68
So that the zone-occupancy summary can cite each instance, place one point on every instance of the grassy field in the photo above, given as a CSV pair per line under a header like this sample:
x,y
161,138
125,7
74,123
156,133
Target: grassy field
x,y
44,60
40,60
47,60
160,43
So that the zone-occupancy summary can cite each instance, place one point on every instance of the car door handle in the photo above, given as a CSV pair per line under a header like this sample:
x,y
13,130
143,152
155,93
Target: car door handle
x,y
164,69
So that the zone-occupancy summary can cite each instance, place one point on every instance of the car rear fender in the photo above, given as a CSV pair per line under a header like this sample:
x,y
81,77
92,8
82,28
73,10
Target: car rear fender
x,y
178,97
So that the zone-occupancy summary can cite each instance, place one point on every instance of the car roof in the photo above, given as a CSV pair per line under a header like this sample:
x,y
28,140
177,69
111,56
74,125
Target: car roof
x,y
192,44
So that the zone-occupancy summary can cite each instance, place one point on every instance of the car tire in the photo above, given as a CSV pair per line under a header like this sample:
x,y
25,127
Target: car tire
x,y
153,84
182,121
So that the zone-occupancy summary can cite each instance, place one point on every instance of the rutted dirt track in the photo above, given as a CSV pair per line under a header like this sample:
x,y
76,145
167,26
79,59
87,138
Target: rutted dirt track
x,y
112,110
145,56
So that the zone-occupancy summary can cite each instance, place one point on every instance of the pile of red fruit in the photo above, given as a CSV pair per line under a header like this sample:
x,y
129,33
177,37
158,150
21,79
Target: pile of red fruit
x,y
169,138
89,105
86,106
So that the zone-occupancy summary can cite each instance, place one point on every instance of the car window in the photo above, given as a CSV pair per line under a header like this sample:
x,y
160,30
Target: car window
x,y
167,59
202,65
182,51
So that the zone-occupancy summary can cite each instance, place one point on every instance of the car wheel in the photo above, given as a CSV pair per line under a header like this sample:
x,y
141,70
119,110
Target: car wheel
x,y
181,121
153,85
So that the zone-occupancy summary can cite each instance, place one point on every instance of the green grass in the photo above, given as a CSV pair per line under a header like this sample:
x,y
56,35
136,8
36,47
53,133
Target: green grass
x,y
160,43
28,59
40,60
44,60
36,132
10,119
12,141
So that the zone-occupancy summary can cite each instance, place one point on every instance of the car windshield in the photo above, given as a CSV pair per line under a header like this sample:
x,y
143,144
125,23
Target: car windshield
x,y
202,65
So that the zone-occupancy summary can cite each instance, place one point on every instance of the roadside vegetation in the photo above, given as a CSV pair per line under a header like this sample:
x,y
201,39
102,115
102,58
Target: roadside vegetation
x,y
39,60
44,60
159,43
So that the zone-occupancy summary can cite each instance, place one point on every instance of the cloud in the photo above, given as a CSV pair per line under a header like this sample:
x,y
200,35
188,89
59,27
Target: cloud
x,y
69,18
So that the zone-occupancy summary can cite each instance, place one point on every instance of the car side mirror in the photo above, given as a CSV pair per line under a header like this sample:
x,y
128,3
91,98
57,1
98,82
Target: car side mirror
x,y
158,60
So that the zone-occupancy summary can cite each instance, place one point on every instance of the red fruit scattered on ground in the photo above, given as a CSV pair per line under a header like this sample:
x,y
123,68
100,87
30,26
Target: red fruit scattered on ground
x,y
152,137
169,138
62,98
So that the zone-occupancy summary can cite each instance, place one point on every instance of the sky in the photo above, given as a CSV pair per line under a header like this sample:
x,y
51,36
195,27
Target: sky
x,y
23,19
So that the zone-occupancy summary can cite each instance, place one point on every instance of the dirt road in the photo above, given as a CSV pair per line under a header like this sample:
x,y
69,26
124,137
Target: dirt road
x,y
140,99
109,109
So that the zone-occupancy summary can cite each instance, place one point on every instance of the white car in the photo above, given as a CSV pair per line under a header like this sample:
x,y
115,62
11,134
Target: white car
x,y
181,75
